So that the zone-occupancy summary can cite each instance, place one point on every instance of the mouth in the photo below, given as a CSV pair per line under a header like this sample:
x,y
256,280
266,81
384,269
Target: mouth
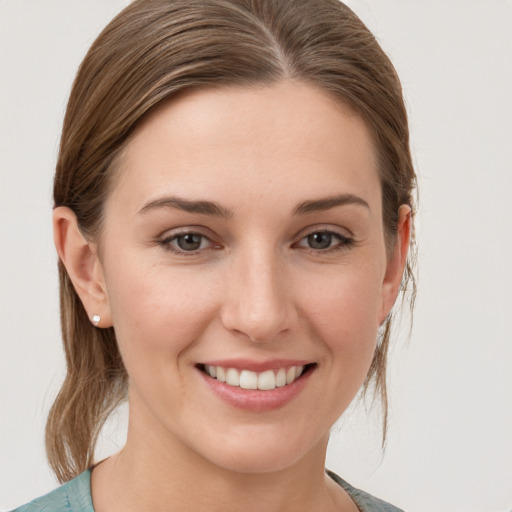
x,y
267,380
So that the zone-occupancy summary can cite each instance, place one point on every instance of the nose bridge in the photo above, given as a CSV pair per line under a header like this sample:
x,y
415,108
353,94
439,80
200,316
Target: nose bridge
x,y
259,305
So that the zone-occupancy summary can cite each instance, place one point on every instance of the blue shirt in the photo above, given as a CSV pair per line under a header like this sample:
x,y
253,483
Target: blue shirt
x,y
75,496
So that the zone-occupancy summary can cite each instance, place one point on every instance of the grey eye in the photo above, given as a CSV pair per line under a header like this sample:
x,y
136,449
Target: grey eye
x,y
319,240
325,241
189,241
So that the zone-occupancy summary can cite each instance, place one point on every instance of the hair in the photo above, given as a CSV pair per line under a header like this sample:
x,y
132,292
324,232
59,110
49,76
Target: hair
x,y
150,52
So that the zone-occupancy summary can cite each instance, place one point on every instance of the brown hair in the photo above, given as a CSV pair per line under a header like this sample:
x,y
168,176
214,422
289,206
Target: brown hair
x,y
152,50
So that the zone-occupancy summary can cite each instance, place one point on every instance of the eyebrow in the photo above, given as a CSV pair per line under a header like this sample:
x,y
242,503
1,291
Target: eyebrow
x,y
216,210
326,203
202,207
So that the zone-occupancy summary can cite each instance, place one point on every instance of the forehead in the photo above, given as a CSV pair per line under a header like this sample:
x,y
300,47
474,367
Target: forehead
x,y
243,144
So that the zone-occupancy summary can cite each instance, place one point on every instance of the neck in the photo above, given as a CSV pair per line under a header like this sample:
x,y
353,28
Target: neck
x,y
155,471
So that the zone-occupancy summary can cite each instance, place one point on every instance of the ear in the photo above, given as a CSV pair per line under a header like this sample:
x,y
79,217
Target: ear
x,y
82,263
396,264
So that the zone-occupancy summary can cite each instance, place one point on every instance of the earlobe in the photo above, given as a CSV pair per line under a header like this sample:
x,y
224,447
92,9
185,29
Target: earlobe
x,y
396,264
80,258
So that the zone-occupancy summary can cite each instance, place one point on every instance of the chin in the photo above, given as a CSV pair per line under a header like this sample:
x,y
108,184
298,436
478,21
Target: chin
x,y
261,452
256,461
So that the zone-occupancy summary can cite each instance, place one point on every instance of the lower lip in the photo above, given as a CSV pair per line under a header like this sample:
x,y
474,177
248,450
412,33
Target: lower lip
x,y
254,399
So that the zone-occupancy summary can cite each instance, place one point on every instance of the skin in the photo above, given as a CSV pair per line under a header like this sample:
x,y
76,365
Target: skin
x,y
254,289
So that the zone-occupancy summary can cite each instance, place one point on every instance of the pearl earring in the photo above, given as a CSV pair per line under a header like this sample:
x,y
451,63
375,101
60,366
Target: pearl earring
x,y
96,320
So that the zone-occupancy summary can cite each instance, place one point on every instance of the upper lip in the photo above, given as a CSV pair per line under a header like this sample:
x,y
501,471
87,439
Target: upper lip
x,y
256,366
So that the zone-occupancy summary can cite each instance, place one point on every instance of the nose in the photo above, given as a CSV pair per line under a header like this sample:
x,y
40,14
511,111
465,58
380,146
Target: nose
x,y
259,300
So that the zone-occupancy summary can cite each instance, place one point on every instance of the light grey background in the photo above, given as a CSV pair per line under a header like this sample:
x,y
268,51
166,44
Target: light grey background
x,y
450,440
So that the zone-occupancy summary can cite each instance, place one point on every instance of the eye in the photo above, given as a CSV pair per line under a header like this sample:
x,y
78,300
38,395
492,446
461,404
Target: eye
x,y
186,242
324,241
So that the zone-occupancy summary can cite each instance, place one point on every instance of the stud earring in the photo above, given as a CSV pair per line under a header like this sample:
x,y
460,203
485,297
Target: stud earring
x,y
96,319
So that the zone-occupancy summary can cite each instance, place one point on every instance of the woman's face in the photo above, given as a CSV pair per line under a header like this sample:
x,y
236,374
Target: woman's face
x,y
245,237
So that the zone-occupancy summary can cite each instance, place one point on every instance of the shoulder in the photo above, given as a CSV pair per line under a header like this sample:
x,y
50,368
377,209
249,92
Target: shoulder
x,y
365,502
73,496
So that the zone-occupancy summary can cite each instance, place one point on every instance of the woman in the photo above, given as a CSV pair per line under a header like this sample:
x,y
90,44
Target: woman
x,y
233,209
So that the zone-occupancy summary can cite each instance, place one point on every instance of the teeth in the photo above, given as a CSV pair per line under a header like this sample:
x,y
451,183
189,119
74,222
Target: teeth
x,y
246,379
232,377
281,378
221,373
267,380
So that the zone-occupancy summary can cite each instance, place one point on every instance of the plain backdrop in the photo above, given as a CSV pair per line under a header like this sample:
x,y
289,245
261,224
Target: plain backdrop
x,y
450,437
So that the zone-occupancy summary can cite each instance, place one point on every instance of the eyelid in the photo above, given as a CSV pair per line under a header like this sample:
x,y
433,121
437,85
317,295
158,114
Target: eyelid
x,y
169,236
345,240
343,235
325,228
186,230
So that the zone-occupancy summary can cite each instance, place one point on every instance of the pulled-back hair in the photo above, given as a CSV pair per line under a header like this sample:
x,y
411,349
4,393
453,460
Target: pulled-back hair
x,y
151,51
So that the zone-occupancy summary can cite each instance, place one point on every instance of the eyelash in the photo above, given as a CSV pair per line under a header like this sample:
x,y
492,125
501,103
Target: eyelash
x,y
344,242
166,243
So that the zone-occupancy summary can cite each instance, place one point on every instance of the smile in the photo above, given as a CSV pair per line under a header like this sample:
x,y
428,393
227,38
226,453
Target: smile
x,y
256,386
247,379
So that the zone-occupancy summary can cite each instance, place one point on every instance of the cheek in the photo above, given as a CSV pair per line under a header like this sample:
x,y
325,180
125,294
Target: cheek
x,y
344,313
157,311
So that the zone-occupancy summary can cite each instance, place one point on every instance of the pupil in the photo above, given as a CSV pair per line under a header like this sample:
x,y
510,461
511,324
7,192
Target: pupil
x,y
189,242
319,240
